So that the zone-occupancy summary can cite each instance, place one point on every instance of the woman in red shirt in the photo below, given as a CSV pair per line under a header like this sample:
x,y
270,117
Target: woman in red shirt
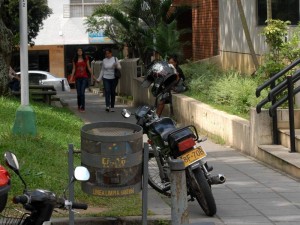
x,y
80,65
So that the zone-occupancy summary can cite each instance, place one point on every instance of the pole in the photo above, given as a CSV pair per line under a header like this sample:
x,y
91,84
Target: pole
x,y
179,206
24,52
25,122
291,112
71,189
145,184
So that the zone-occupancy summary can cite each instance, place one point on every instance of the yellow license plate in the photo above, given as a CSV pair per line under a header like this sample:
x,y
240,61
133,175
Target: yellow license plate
x,y
193,156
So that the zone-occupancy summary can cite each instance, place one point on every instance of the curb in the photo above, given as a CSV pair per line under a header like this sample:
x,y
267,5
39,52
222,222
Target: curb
x,y
129,220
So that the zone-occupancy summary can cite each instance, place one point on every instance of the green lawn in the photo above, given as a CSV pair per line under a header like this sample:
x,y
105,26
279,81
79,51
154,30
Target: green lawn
x,y
44,160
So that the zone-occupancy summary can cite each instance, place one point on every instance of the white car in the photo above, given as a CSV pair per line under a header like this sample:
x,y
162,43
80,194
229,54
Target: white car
x,y
38,77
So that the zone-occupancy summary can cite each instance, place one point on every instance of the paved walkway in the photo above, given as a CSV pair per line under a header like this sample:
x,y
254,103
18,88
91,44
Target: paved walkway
x,y
253,193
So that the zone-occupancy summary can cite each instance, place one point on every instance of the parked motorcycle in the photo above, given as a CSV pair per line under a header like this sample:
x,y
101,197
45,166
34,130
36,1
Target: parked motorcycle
x,y
169,142
41,203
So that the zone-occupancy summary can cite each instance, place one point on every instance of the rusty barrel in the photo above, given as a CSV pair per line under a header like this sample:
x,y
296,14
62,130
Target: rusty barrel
x,y
113,154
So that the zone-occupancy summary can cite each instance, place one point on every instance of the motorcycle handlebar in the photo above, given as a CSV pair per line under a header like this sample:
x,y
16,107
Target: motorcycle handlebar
x,y
23,199
77,205
62,203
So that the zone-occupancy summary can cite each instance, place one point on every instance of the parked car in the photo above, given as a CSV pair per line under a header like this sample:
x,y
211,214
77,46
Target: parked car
x,y
38,77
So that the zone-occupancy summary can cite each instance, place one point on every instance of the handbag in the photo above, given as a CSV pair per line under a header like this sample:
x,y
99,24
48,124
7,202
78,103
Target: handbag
x,y
117,72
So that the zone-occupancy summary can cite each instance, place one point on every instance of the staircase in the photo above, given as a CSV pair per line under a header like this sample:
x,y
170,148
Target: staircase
x,y
280,156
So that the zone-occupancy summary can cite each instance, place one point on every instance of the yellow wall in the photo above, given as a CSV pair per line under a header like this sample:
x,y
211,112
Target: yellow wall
x,y
56,58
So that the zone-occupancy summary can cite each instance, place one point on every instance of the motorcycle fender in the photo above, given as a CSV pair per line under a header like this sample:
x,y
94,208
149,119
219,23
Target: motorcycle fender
x,y
196,165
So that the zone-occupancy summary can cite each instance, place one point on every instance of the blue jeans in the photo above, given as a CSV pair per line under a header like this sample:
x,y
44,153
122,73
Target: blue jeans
x,y
81,85
110,91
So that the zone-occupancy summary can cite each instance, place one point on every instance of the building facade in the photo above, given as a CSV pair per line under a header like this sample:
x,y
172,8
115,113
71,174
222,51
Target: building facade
x,y
218,31
63,32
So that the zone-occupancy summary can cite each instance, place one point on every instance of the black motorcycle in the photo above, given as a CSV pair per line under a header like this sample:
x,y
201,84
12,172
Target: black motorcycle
x,y
40,203
167,142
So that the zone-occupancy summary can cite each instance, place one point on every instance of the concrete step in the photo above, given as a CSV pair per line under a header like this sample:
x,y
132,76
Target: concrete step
x,y
281,158
284,137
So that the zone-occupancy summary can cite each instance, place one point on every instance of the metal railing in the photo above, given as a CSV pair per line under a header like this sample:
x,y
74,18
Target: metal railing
x,y
287,84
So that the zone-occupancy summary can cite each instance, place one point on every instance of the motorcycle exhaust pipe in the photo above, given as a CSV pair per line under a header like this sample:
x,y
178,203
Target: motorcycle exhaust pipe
x,y
217,179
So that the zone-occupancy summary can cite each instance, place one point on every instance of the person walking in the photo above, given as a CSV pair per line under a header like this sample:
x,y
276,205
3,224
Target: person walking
x,y
81,64
110,82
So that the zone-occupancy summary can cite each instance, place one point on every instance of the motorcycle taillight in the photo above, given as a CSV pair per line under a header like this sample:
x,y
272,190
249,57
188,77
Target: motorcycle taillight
x,y
186,144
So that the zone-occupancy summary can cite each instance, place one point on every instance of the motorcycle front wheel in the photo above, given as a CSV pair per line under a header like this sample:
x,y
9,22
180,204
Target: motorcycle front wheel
x,y
154,179
201,191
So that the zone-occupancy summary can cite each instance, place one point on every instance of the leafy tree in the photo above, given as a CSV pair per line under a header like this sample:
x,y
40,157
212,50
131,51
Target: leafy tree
x,y
38,10
275,33
166,39
135,22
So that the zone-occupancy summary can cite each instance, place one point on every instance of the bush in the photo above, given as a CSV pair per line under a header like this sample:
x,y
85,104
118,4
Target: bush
x,y
228,91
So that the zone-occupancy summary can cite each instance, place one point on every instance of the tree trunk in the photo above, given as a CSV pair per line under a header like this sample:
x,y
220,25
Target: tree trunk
x,y
5,54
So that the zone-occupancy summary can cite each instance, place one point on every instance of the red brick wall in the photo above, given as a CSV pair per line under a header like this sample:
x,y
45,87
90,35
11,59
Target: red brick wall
x,y
205,26
205,17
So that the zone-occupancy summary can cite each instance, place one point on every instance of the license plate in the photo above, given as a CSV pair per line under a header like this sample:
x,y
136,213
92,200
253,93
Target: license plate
x,y
193,156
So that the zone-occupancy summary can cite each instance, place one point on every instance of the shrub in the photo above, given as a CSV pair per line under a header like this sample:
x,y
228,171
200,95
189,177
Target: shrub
x,y
228,91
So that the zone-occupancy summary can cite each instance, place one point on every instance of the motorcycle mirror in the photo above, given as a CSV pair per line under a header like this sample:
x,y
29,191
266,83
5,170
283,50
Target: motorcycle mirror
x,y
12,161
81,173
126,113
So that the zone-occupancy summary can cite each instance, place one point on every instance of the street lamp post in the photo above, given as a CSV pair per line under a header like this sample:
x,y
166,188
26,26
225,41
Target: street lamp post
x,y
25,123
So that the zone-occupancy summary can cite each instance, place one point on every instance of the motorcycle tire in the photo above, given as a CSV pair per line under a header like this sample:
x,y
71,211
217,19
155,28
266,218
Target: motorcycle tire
x,y
202,192
154,179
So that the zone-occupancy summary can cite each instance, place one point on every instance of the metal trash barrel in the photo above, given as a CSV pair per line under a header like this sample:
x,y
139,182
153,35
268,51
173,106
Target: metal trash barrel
x,y
113,154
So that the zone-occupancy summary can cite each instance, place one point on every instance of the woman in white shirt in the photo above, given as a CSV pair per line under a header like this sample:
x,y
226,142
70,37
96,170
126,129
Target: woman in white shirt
x,y
110,82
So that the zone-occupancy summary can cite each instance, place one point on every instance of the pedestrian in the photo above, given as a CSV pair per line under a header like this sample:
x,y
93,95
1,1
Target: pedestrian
x,y
174,61
110,82
14,83
81,66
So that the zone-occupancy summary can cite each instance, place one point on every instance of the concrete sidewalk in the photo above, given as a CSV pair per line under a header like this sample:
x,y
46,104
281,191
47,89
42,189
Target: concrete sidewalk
x,y
253,193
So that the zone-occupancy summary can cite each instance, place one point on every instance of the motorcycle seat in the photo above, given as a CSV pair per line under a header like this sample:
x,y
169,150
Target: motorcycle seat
x,y
164,127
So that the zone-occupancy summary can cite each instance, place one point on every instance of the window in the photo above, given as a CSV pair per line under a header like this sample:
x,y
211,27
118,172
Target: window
x,y
84,8
283,10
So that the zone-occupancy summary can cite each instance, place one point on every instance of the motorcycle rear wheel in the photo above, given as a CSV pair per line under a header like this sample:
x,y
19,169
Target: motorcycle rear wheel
x,y
202,192
154,179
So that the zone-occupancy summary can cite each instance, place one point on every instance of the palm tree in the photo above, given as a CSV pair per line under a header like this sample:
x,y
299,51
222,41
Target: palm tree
x,y
166,40
134,22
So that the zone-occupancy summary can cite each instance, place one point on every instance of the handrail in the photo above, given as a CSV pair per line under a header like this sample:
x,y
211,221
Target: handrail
x,y
276,76
287,84
281,101
282,86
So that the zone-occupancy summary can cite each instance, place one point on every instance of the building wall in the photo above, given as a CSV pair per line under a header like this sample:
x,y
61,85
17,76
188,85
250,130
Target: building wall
x,y
205,14
234,48
205,27
56,58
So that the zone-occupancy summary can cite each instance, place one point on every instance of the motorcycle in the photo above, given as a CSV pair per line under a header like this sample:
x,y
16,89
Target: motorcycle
x,y
40,204
166,142
169,142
